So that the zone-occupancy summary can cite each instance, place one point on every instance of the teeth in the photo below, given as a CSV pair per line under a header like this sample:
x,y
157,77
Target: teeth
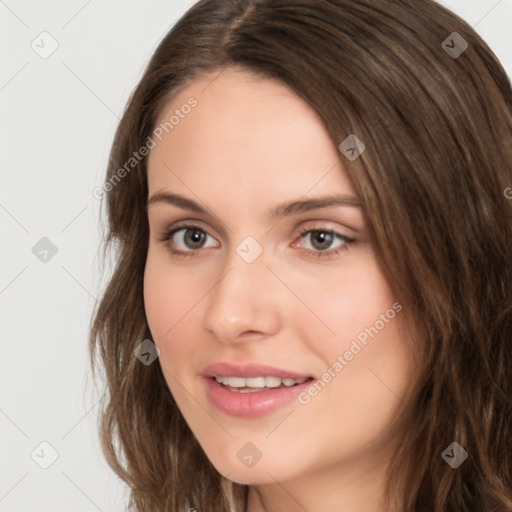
x,y
258,382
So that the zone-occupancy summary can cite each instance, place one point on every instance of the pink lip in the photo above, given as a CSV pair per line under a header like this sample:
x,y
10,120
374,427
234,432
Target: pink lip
x,y
251,405
250,370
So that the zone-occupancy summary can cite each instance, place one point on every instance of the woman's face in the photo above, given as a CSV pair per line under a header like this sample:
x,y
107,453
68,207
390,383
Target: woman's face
x,y
256,282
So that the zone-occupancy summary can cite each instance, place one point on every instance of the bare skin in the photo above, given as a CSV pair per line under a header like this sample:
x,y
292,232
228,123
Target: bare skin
x,y
249,145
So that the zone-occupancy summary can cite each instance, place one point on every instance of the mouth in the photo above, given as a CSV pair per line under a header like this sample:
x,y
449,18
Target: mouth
x,y
257,384
251,371
250,397
252,389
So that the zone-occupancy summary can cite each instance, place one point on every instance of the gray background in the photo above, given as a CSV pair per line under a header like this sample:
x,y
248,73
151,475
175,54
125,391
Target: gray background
x,y
58,115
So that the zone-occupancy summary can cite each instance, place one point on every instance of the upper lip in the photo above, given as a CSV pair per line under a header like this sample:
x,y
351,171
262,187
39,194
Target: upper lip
x,y
248,370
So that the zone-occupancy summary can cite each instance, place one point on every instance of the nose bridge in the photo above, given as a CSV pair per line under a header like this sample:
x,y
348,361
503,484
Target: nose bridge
x,y
241,300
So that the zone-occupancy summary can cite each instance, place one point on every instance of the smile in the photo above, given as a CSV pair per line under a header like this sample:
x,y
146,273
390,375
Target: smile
x,y
253,402
255,384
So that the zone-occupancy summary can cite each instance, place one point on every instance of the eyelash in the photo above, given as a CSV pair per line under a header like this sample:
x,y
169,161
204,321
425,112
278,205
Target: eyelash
x,y
168,234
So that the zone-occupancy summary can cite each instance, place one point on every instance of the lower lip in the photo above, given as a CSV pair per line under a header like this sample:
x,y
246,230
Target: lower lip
x,y
251,405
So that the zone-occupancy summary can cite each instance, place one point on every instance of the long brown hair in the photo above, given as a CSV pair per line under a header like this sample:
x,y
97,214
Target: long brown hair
x,y
437,127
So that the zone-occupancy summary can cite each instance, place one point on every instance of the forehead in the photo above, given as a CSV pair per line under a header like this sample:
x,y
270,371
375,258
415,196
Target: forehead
x,y
245,134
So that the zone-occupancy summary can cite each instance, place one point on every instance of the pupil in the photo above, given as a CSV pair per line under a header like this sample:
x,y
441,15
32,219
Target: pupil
x,y
195,237
324,238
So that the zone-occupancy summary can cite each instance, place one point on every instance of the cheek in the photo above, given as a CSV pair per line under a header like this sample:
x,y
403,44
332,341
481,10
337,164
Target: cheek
x,y
368,359
172,304
165,298
156,297
169,292
350,302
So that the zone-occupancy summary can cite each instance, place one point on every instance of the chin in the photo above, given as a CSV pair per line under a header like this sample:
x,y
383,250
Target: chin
x,y
262,472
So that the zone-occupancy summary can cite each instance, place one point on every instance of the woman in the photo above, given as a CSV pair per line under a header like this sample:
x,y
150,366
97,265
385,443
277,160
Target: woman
x,y
311,307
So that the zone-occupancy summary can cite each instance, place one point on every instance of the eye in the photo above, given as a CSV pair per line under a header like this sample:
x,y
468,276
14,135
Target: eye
x,y
185,239
321,239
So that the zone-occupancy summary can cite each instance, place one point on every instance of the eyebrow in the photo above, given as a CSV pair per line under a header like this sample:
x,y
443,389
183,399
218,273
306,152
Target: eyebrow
x,y
278,212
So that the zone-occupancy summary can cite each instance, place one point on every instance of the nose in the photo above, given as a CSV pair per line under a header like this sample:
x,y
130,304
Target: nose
x,y
244,303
